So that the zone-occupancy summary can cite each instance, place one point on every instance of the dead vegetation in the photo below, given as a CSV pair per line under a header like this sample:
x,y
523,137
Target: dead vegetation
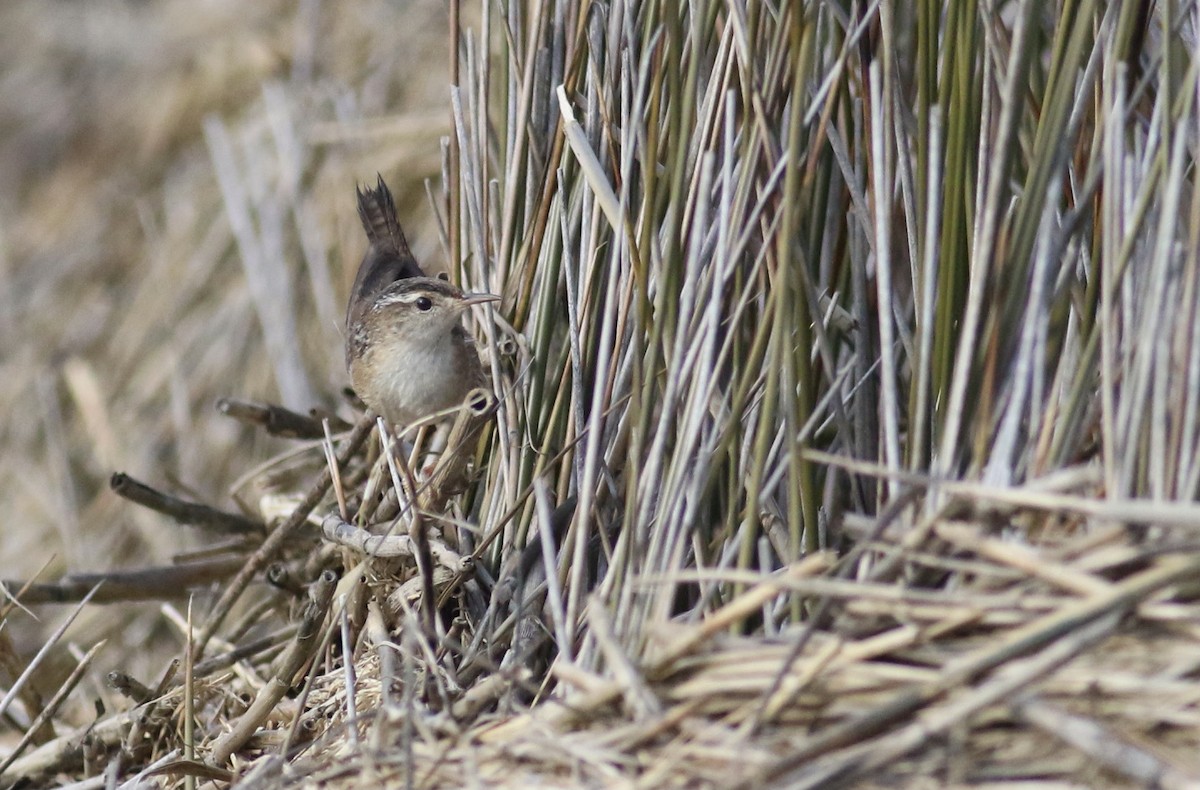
x,y
847,427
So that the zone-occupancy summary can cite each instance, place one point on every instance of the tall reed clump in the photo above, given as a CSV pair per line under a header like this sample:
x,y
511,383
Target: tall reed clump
x,y
772,266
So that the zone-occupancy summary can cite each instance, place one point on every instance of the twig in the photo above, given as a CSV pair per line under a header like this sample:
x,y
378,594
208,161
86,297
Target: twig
x,y
143,584
189,689
638,695
419,531
66,750
190,513
302,699
42,653
298,653
279,537
164,682
1125,510
1105,746
338,531
350,677
128,686
449,473
53,705
14,599
241,652
280,421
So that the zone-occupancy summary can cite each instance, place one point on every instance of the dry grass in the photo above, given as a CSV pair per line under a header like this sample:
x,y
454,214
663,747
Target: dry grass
x,y
847,430
125,312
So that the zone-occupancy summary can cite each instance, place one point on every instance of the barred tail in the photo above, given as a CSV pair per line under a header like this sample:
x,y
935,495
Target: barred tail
x,y
377,211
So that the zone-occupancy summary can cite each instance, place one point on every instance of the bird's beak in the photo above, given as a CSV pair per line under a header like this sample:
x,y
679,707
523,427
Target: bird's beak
x,y
481,298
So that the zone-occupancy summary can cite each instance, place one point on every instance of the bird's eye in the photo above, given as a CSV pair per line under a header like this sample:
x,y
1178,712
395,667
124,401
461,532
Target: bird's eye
x,y
424,304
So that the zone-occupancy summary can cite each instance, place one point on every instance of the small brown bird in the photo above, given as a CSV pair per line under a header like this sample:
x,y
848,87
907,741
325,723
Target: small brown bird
x,y
407,352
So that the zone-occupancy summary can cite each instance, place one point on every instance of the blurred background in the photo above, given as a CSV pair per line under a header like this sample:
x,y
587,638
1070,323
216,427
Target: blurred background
x,y
177,224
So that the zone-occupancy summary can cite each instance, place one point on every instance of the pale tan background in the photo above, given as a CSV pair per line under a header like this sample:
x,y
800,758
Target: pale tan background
x,y
125,310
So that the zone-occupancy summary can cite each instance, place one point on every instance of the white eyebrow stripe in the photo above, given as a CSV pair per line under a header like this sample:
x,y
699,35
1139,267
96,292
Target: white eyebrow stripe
x,y
405,297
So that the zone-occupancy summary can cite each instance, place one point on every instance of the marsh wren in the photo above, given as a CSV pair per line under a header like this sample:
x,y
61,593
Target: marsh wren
x,y
406,349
